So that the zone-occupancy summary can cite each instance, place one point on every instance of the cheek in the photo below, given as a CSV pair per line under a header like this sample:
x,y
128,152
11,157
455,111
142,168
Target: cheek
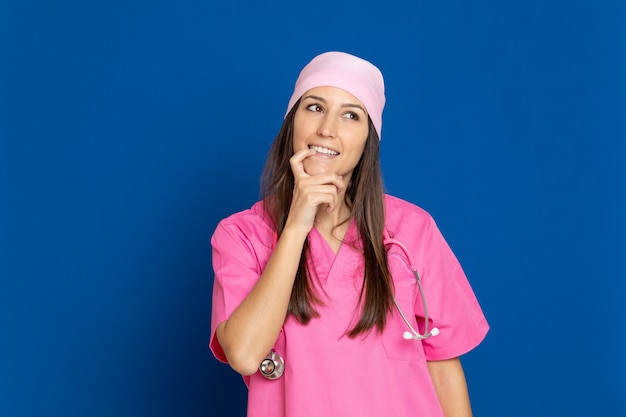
x,y
296,141
299,136
353,157
359,147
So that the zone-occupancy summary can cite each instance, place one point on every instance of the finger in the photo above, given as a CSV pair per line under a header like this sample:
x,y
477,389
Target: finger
x,y
317,200
316,195
296,162
326,178
305,187
329,185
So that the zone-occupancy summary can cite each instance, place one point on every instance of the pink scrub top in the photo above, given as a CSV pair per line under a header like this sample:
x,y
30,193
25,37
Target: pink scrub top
x,y
326,372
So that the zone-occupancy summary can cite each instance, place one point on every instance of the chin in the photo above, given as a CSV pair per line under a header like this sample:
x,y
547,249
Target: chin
x,y
316,169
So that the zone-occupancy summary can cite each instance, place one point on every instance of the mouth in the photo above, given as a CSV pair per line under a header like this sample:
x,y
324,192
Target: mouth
x,y
324,151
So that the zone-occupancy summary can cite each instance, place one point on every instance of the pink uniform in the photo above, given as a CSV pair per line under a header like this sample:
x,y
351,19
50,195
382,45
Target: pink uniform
x,y
326,372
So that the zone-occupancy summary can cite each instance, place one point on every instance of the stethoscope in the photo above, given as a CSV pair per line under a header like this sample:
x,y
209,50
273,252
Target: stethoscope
x,y
412,334
273,365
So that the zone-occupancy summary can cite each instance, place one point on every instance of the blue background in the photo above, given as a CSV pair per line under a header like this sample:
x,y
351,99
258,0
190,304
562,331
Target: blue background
x,y
129,129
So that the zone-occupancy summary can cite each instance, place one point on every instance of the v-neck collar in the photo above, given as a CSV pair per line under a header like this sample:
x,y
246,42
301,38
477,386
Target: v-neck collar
x,y
323,259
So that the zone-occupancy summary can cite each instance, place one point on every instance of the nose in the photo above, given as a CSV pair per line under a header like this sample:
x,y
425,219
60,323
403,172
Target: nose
x,y
327,127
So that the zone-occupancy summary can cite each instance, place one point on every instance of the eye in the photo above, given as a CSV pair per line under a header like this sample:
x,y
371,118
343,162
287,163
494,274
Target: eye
x,y
351,115
314,107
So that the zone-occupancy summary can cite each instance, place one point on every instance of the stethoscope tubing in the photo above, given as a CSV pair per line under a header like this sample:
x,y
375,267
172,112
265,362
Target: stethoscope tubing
x,y
272,367
413,334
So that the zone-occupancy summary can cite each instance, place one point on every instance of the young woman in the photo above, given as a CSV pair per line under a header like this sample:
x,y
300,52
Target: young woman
x,y
316,301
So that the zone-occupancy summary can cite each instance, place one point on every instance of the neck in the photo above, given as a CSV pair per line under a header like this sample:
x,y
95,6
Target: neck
x,y
334,225
327,221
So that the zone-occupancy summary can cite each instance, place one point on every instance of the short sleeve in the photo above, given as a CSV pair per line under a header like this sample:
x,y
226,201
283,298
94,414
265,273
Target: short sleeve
x,y
239,254
452,305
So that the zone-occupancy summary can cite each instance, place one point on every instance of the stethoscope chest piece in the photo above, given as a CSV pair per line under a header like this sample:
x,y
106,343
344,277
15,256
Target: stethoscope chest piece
x,y
273,366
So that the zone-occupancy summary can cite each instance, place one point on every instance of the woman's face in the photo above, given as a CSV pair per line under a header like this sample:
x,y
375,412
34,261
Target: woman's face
x,y
335,124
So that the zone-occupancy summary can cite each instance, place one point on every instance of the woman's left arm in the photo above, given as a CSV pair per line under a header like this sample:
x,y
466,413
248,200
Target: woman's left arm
x,y
449,381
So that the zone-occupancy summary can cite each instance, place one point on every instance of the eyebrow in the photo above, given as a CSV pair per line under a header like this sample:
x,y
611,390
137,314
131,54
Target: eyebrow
x,y
349,105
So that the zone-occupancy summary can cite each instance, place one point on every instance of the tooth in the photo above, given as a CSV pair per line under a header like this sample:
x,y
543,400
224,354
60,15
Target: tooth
x,y
325,151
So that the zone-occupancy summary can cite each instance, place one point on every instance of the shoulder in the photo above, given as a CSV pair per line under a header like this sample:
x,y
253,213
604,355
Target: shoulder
x,y
400,213
250,217
251,227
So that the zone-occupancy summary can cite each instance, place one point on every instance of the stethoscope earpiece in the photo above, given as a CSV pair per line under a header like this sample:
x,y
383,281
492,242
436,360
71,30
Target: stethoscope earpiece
x,y
417,336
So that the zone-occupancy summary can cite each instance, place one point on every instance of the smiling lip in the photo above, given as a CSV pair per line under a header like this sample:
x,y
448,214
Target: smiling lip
x,y
323,151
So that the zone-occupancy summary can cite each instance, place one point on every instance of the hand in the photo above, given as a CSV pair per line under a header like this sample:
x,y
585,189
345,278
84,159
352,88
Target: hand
x,y
310,192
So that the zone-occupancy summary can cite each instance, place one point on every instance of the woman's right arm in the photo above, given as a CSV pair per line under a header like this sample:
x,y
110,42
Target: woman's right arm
x,y
250,332
252,329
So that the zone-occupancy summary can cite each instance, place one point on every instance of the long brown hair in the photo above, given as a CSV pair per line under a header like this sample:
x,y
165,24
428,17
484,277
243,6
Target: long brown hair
x,y
365,199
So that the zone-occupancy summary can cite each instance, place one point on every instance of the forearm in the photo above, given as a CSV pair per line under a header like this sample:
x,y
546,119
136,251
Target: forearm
x,y
252,329
451,387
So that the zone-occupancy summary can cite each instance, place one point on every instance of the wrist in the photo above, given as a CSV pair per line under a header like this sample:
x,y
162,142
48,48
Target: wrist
x,y
294,235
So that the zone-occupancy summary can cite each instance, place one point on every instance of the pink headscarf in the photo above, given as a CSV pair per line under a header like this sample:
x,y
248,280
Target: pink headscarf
x,y
350,73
